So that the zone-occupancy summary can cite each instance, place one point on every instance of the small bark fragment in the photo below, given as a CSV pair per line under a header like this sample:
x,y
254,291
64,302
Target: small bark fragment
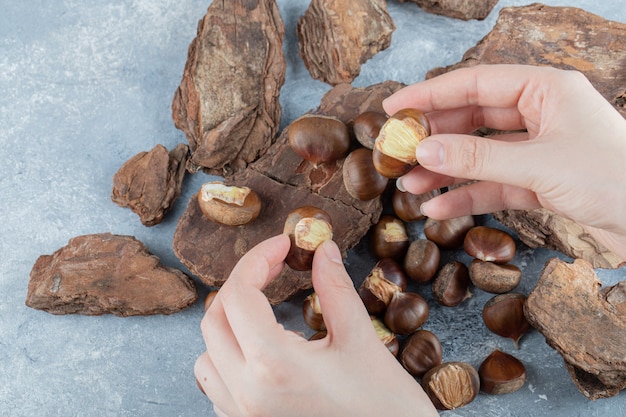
x,y
227,103
336,37
584,324
458,9
105,273
150,182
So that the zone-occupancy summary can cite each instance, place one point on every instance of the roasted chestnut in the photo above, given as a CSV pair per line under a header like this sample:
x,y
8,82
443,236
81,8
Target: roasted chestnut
x,y
319,139
494,278
501,373
450,233
389,339
421,261
406,312
420,352
312,312
451,385
385,279
228,205
451,285
307,227
389,238
367,126
489,244
360,178
504,316
407,205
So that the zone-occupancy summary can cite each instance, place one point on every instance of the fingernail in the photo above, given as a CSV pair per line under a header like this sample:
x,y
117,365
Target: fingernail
x,y
332,251
399,185
422,209
429,153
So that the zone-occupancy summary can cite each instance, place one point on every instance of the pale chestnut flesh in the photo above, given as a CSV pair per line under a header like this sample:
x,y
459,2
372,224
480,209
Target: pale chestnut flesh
x,y
307,227
228,205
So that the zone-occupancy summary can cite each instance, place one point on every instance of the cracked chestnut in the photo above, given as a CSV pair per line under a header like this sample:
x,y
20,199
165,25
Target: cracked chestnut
x,y
228,205
385,279
389,238
451,385
451,285
307,227
312,312
389,339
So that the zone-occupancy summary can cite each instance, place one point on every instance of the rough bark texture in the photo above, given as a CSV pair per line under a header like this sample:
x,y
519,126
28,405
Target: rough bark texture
x,y
228,100
336,37
458,9
569,309
150,182
567,38
104,273
284,181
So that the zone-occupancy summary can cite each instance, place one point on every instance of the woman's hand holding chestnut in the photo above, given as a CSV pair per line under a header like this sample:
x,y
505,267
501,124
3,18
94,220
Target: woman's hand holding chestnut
x,y
569,154
253,366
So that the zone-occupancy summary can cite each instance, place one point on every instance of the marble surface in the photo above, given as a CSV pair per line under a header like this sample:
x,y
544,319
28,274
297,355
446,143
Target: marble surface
x,y
84,86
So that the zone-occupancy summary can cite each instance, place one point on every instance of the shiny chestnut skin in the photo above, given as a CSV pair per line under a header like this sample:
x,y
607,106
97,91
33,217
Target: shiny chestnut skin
x,y
228,204
312,312
489,244
367,126
389,339
307,227
319,139
420,352
494,278
407,206
377,289
501,373
406,312
389,238
421,261
451,285
360,178
451,385
504,315
449,233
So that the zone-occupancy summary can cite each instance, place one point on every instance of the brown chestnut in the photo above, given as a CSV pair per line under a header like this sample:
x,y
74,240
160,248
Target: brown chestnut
x,y
319,139
385,279
494,278
451,385
307,227
451,285
407,205
504,316
312,312
389,339
501,373
449,233
228,205
360,178
420,352
367,126
318,335
394,149
489,244
421,261
406,312
389,238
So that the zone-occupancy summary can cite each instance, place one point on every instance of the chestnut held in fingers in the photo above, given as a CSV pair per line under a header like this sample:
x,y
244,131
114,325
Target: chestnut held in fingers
x,y
394,149
406,312
449,233
228,205
407,205
319,139
389,339
451,285
367,126
385,279
312,312
360,178
451,385
494,278
389,238
504,316
501,373
489,244
420,352
307,227
421,261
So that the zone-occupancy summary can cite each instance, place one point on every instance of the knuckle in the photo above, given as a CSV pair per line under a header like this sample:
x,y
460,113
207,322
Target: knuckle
x,y
473,156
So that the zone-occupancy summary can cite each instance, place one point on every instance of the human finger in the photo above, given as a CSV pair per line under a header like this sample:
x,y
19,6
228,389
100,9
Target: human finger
x,y
470,118
212,384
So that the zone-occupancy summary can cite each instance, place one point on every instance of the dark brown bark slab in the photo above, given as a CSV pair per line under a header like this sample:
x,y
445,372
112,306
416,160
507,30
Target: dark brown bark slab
x,y
150,182
585,325
336,37
284,181
227,103
105,273
458,9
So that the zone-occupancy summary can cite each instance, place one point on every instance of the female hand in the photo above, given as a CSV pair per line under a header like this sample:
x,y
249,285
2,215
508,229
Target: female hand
x,y
571,159
255,367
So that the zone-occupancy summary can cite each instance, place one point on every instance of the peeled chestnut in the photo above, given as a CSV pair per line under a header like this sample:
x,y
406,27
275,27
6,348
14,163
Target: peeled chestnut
x,y
389,238
360,178
389,339
367,126
385,279
494,278
229,205
407,205
421,261
451,285
420,352
406,312
489,244
312,312
501,373
319,139
451,385
307,227
394,149
450,233
504,316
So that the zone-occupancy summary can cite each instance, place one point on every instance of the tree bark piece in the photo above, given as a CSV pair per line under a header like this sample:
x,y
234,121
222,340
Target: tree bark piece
x,y
458,9
585,325
150,182
105,273
336,37
227,103
284,181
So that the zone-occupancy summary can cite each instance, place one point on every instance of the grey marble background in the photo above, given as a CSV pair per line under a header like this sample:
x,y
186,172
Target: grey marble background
x,y
84,86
